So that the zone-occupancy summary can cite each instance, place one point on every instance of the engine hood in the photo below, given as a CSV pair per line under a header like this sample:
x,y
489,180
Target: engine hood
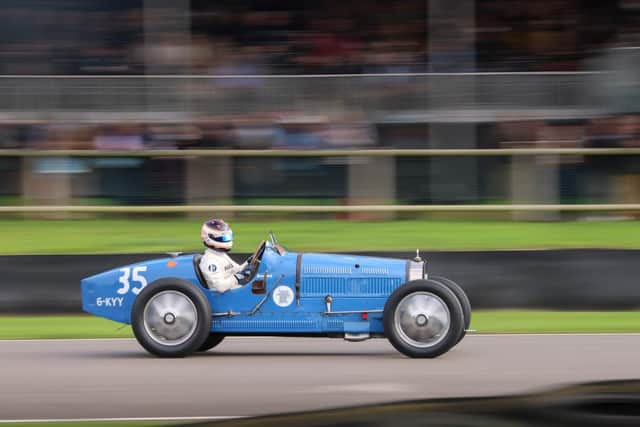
x,y
351,265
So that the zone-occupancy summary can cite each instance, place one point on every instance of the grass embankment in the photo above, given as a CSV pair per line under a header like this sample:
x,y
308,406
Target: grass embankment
x,y
489,321
157,235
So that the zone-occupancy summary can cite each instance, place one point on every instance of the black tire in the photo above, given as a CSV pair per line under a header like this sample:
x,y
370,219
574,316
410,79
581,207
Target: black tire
x,y
199,309
401,340
462,297
211,341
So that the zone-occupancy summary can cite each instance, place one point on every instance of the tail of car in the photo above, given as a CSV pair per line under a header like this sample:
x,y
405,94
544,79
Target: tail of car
x,y
111,294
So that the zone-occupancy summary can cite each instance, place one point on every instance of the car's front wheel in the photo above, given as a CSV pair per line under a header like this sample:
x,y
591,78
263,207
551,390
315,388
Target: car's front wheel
x,y
171,318
462,297
423,318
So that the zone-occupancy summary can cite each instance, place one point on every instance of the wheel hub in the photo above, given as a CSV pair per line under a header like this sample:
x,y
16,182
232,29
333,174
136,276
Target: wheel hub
x,y
422,319
170,318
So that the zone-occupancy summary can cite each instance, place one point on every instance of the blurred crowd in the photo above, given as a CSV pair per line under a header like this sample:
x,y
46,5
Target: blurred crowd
x,y
268,37
317,132
326,36
253,133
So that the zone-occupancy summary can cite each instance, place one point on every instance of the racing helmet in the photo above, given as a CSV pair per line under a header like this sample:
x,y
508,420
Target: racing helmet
x,y
217,234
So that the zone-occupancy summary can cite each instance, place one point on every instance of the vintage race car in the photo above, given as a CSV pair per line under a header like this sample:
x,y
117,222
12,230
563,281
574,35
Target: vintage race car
x,y
173,313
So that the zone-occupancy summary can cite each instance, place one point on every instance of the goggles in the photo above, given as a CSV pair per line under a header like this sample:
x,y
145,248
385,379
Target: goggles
x,y
226,237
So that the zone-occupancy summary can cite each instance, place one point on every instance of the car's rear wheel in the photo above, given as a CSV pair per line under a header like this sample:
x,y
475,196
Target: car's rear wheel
x,y
211,341
423,319
462,297
171,318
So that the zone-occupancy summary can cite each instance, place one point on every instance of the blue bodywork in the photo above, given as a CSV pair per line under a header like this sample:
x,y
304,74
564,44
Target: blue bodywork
x,y
356,286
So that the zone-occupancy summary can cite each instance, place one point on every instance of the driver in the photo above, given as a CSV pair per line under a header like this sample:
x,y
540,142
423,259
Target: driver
x,y
219,270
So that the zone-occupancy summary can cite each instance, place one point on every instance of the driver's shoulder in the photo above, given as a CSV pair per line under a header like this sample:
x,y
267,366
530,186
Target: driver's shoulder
x,y
210,255
213,255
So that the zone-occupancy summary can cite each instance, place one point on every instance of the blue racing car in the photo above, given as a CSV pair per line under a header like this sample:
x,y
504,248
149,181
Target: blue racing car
x,y
173,313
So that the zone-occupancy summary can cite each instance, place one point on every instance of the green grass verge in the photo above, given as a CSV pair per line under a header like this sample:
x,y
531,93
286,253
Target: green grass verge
x,y
122,236
522,321
489,321
44,327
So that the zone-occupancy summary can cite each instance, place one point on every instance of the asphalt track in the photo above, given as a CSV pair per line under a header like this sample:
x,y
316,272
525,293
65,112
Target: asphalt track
x,y
86,379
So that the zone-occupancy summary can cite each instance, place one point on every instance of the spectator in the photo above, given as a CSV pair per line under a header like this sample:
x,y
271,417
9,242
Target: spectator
x,y
119,138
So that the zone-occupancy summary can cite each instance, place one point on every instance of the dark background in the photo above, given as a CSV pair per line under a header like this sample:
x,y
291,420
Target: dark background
x,y
581,279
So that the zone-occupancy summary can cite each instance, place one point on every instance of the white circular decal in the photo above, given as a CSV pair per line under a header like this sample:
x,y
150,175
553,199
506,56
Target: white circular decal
x,y
283,296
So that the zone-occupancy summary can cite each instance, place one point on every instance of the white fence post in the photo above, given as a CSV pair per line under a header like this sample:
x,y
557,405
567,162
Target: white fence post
x,y
372,180
45,187
209,181
534,179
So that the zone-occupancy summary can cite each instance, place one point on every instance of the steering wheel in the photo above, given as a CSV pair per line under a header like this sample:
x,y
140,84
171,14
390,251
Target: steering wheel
x,y
254,260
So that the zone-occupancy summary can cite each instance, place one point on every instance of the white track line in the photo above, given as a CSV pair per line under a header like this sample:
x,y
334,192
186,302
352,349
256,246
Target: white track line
x,y
86,420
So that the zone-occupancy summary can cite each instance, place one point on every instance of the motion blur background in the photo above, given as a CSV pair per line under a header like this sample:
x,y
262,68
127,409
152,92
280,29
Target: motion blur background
x,y
139,76
482,130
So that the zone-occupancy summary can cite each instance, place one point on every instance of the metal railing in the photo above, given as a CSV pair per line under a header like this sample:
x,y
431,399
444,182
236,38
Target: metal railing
x,y
347,208
458,96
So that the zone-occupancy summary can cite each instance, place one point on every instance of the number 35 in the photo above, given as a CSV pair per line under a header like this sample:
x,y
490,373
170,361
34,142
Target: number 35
x,y
135,277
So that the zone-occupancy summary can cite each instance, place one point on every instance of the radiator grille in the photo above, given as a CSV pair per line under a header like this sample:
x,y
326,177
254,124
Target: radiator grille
x,y
337,286
375,270
318,269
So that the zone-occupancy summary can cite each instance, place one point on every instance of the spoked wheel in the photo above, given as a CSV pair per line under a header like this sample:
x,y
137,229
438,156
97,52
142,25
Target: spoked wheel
x,y
462,297
423,318
211,341
171,318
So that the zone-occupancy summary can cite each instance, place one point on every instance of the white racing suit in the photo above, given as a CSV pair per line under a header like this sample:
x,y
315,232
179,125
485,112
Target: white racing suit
x,y
219,270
